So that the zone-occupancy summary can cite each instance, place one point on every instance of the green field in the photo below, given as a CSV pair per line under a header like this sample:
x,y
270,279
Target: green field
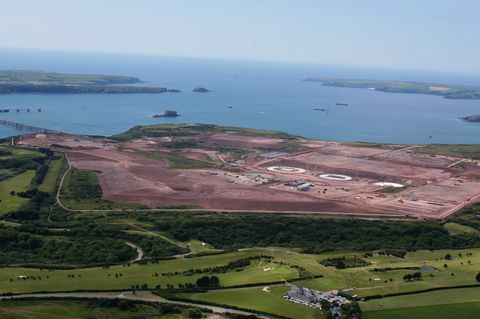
x,y
68,309
31,81
455,229
81,190
17,183
183,129
448,91
455,150
364,280
438,297
104,278
257,299
452,311
49,184
176,160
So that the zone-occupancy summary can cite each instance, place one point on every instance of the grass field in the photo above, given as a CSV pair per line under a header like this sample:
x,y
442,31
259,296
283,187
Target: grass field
x,y
455,229
81,190
364,280
104,278
17,183
257,299
438,297
50,181
184,129
63,309
453,311
175,160
455,150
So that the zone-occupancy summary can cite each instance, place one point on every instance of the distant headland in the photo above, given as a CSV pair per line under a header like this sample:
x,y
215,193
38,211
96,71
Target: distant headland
x,y
472,118
448,91
200,90
30,81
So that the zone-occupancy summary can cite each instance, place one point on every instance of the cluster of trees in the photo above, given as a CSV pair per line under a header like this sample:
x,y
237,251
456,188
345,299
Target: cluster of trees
x,y
157,248
344,262
208,282
314,235
39,201
83,242
22,247
400,253
415,276
470,216
233,265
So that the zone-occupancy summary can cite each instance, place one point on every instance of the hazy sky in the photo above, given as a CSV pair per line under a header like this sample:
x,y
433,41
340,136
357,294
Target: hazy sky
x,y
408,34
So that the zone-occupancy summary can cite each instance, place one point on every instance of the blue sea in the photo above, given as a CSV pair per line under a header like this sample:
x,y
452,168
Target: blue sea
x,y
263,95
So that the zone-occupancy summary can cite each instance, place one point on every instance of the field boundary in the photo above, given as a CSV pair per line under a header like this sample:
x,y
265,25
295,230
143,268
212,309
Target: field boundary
x,y
419,291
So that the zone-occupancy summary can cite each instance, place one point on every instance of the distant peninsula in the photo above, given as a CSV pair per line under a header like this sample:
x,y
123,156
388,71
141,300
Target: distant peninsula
x,y
471,118
448,91
31,81
200,90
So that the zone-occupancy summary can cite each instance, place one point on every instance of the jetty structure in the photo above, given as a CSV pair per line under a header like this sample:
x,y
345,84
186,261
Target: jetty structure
x,y
26,127
18,110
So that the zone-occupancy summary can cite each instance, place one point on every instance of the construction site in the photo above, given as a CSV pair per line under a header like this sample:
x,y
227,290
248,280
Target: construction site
x,y
235,172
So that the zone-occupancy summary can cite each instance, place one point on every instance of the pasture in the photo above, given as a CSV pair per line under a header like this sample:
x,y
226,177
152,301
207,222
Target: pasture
x,y
123,276
450,311
18,183
68,309
258,300
362,281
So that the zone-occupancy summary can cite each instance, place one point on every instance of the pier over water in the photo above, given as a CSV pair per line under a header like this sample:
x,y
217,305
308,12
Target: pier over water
x,y
30,128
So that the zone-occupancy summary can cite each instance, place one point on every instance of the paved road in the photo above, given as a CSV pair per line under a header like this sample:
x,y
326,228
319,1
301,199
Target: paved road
x,y
144,296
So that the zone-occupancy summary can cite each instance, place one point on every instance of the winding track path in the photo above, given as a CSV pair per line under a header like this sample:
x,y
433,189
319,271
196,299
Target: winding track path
x,y
139,252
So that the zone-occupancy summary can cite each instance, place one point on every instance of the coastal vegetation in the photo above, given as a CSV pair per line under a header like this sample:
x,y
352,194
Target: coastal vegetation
x,y
29,81
448,91
177,130
455,150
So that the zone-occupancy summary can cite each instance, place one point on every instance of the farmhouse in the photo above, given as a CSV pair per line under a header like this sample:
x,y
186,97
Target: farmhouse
x,y
312,298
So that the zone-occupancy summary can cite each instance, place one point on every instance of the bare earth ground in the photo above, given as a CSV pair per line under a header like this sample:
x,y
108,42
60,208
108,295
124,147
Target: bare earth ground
x,y
433,188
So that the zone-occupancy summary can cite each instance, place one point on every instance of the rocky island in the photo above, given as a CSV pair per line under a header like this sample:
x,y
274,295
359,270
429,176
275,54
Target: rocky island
x,y
448,91
168,113
200,90
29,81
472,118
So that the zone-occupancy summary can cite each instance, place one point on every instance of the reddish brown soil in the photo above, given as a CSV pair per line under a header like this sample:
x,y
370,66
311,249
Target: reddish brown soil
x,y
434,190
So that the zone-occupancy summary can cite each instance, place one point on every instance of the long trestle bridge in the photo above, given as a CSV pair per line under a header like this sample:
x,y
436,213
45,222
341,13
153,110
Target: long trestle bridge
x,y
26,127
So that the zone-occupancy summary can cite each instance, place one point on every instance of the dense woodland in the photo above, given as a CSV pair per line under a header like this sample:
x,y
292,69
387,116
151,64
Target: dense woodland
x,y
39,239
313,234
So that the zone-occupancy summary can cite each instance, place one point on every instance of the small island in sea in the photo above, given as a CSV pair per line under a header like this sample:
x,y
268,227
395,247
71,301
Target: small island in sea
x,y
472,118
448,91
31,81
168,113
200,90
